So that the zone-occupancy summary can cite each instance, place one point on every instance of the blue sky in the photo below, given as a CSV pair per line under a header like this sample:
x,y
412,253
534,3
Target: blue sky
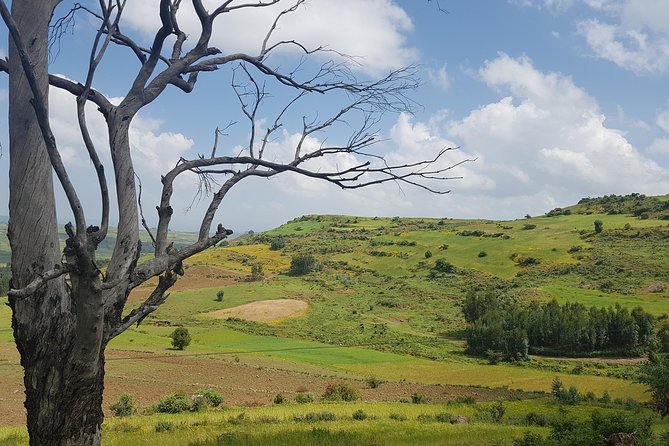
x,y
556,99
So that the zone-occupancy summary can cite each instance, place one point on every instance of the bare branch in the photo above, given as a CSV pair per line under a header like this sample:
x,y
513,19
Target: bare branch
x,y
40,281
141,211
264,50
166,261
151,304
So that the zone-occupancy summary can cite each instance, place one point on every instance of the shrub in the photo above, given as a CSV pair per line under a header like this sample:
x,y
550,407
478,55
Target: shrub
x,y
359,415
219,295
198,403
180,338
277,244
575,248
417,398
164,426
340,391
303,398
257,271
599,226
529,226
174,403
445,417
279,398
571,397
428,254
530,439
313,417
374,382
211,397
125,406
497,411
535,419
443,266
397,417
301,264
527,261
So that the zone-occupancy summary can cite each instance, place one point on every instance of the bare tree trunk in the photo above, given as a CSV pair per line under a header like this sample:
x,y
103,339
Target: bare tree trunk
x,y
63,396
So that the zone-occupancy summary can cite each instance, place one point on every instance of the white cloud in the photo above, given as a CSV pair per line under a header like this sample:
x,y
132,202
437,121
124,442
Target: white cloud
x,y
372,31
635,36
439,77
660,146
663,120
547,138
632,49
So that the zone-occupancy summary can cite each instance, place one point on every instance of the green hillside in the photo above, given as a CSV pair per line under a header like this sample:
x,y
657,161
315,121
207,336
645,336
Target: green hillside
x,y
383,298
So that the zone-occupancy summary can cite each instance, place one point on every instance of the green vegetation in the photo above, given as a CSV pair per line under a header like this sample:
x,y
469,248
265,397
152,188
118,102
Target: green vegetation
x,y
124,407
655,373
501,324
380,309
180,338
340,391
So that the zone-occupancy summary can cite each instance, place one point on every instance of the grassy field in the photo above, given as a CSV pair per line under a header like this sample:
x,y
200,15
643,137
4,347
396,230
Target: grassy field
x,y
375,308
390,424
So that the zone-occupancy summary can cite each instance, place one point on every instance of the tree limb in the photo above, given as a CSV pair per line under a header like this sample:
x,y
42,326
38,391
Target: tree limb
x,y
40,281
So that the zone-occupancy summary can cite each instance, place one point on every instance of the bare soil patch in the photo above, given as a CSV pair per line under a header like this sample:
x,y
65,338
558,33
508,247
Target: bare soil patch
x,y
266,311
242,382
197,276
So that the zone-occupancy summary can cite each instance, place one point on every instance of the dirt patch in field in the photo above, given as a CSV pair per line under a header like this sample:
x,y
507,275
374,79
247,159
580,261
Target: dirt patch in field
x,y
196,276
266,311
243,381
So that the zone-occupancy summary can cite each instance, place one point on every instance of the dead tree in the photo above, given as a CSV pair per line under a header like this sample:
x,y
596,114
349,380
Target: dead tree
x,y
64,309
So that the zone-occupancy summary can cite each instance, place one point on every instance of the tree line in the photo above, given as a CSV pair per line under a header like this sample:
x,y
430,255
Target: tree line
x,y
501,327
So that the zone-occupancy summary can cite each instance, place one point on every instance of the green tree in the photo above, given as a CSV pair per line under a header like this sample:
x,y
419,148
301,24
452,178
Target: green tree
x,y
277,244
599,226
655,374
180,338
301,264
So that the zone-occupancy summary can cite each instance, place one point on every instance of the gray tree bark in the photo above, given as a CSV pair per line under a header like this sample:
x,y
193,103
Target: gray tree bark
x,y
63,394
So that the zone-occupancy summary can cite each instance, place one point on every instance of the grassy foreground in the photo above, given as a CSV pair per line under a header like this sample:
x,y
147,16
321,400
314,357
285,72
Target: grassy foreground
x,y
360,424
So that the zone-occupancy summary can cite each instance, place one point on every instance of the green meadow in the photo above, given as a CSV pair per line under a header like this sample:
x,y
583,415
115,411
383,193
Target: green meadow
x,y
383,300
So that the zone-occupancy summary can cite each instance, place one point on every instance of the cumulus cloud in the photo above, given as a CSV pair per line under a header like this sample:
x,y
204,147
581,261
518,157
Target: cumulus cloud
x,y
630,48
546,138
634,36
373,32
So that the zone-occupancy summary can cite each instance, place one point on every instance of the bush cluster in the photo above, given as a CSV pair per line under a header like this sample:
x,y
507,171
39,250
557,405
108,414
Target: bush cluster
x,y
340,391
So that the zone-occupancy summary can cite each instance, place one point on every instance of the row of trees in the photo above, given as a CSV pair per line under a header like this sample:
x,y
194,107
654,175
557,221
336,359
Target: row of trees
x,y
497,324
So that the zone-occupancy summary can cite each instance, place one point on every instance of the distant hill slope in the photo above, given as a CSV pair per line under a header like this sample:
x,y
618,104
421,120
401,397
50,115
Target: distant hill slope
x,y
106,247
403,280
